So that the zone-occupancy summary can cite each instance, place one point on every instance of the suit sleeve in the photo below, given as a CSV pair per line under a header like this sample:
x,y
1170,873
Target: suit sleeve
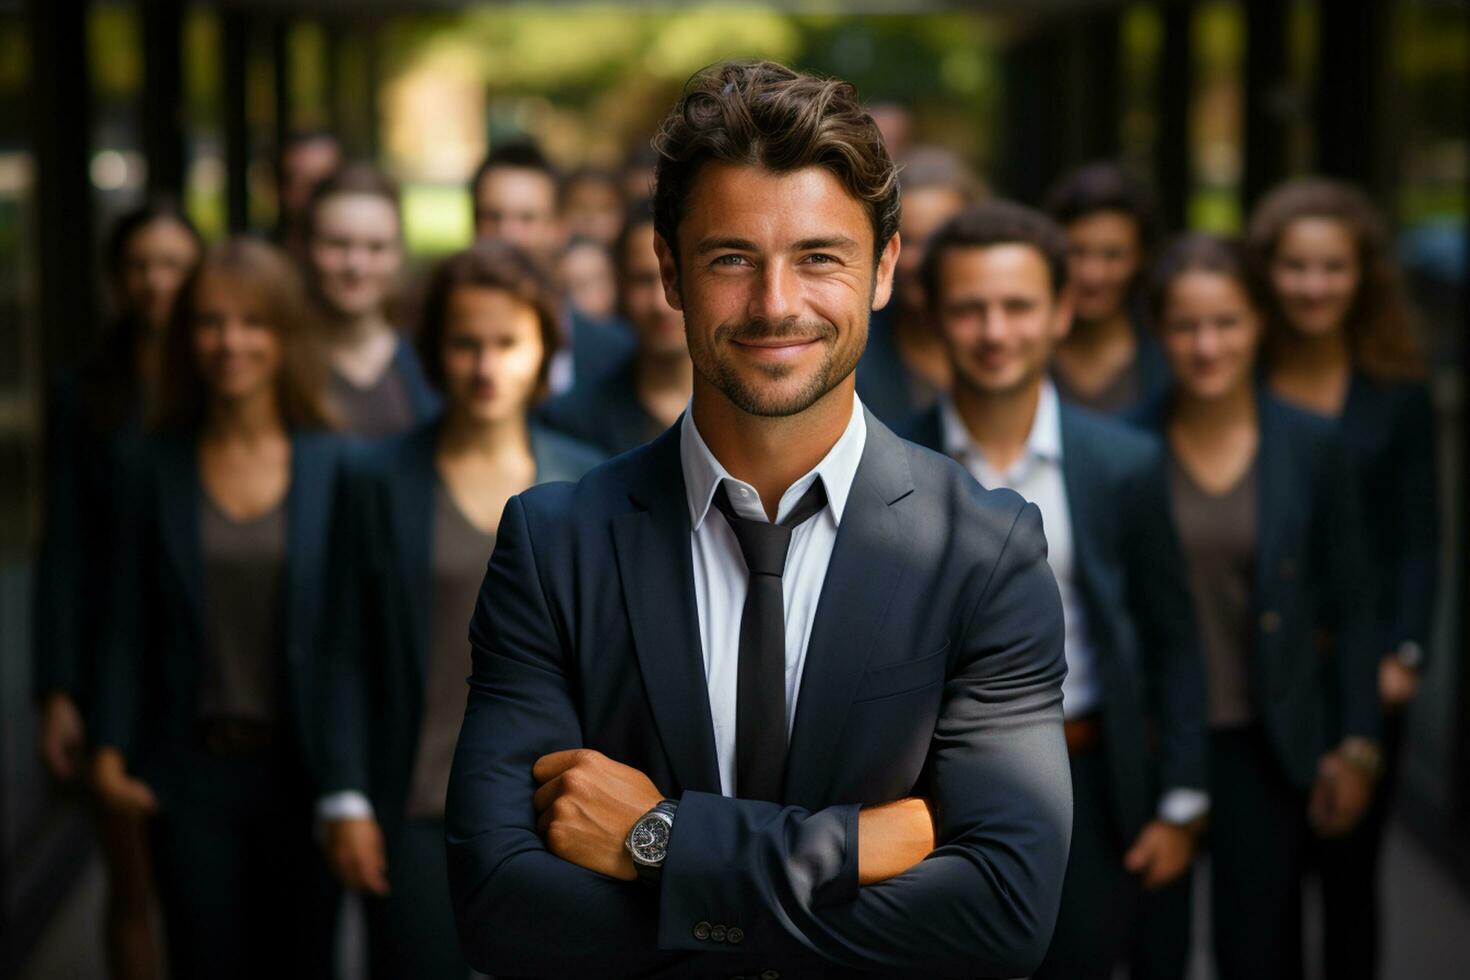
x,y
521,910
1158,588
1345,602
1415,574
116,703
57,640
352,602
985,901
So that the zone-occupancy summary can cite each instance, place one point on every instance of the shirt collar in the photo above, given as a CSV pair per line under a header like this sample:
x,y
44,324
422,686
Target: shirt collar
x,y
703,473
1044,441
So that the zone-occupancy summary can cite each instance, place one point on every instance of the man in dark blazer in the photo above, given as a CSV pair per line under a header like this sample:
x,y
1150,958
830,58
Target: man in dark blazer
x,y
650,388
995,278
778,694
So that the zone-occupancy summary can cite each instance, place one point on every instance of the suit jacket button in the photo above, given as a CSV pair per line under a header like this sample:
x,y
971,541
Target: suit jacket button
x,y
701,931
1270,621
717,933
735,935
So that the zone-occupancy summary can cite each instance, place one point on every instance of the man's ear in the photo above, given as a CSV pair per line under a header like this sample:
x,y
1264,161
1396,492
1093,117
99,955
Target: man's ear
x,y
668,271
883,274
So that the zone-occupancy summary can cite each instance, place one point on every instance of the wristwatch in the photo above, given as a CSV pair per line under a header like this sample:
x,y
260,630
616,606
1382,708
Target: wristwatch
x,y
1410,655
1363,754
648,841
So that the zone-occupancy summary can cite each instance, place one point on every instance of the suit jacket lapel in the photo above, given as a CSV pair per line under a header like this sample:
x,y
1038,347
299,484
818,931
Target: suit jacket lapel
x,y
1274,482
1083,505
656,569
862,579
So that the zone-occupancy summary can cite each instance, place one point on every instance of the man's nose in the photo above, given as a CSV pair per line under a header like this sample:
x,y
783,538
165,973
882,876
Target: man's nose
x,y
777,294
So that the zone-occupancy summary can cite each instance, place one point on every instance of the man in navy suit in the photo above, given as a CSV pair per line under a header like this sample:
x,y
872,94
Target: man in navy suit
x,y
779,694
995,276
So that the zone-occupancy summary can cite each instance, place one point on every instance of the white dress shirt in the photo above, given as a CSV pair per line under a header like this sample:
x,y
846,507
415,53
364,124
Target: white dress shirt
x,y
720,576
1037,475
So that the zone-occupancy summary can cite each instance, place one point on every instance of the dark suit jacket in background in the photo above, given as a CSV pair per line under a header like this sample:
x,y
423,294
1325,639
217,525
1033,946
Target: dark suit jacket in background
x,y
1311,581
1387,431
150,664
423,400
379,591
82,461
1140,617
884,382
597,349
605,413
934,667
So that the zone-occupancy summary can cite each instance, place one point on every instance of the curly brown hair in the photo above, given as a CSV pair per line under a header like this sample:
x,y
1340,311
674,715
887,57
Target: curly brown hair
x,y
260,270
489,264
762,114
1380,327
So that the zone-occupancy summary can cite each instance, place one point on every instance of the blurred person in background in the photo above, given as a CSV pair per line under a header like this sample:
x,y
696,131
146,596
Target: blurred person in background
x,y
515,199
587,279
648,391
638,169
414,537
895,120
592,204
306,158
355,258
1111,361
203,711
94,417
1341,342
1135,689
905,366
1269,522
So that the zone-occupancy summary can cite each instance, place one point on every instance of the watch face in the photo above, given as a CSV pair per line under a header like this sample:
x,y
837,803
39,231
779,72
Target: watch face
x,y
650,840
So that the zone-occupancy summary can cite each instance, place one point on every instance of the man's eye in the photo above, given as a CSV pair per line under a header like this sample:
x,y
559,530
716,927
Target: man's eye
x,y
820,258
731,259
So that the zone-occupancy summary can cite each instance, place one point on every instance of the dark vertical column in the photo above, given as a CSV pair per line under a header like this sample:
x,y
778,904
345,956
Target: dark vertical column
x,y
163,100
1093,84
1172,165
332,79
1352,62
235,42
373,54
1266,89
61,124
281,64
1035,115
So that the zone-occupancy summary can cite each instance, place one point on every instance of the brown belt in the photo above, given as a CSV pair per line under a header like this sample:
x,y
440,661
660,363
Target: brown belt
x,y
237,736
1083,733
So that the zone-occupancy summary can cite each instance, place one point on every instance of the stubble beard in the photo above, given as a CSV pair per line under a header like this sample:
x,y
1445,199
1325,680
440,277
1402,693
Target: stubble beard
x,y
771,400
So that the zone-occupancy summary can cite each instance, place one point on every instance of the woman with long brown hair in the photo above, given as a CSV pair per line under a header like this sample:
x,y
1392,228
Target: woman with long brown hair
x,y
415,533
1268,523
1341,342
94,417
206,672
354,260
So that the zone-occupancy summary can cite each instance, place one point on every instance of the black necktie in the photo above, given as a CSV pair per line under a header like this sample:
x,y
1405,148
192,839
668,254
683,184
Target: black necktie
x,y
760,698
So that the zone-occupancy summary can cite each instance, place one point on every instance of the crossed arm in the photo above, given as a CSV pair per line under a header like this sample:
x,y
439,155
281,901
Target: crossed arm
x,y
982,902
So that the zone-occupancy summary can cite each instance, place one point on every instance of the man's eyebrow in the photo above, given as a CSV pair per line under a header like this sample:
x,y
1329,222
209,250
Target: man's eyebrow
x,y
715,244
830,243
827,242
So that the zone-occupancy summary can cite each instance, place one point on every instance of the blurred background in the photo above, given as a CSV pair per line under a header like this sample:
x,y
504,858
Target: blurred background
x,y
103,102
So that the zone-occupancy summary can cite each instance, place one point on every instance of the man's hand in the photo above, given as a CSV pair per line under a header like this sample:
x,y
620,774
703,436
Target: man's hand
x,y
119,791
1397,684
892,838
1339,796
586,804
61,735
1162,852
355,851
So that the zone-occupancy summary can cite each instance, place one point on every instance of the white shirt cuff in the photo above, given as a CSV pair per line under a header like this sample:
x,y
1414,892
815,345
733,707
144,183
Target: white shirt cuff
x,y
348,804
1182,806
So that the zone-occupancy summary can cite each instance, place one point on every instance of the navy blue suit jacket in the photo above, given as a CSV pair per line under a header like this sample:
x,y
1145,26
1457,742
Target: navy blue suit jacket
x,y
597,349
1135,594
934,667
604,412
149,665
1387,431
423,400
1314,666
378,602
